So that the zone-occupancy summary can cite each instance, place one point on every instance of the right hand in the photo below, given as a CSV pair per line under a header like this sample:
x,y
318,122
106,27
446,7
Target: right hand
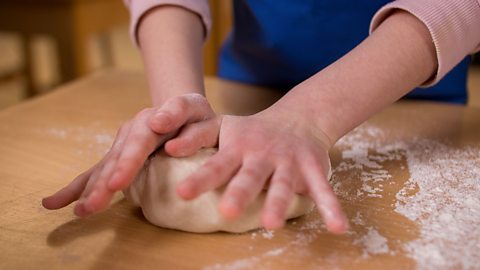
x,y
184,124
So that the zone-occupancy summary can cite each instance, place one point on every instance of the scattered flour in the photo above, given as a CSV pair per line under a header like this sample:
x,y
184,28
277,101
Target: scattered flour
x,y
373,243
275,252
358,219
445,204
247,263
361,151
94,139
303,238
267,234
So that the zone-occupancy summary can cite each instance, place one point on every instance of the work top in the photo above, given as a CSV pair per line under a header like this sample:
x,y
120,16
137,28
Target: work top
x,y
408,179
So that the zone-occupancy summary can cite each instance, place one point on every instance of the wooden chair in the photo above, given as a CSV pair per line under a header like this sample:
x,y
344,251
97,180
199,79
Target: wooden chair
x,y
70,23
222,22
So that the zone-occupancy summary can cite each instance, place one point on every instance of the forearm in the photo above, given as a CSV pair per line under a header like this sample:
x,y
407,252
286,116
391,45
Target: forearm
x,y
171,40
396,58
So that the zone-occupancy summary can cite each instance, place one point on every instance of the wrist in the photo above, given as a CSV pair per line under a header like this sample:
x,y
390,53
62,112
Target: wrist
x,y
161,94
289,117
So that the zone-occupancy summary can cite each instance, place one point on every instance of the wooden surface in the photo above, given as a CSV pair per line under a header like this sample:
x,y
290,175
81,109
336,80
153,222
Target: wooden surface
x,y
47,141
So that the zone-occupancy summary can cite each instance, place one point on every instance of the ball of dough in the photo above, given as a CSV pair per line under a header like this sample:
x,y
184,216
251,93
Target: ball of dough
x,y
154,191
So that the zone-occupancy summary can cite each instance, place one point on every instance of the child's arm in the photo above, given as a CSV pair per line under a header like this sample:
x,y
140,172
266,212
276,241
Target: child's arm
x,y
171,40
454,28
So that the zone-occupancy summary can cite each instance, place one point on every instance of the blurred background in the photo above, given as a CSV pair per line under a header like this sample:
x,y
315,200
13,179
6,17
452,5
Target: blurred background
x,y
45,43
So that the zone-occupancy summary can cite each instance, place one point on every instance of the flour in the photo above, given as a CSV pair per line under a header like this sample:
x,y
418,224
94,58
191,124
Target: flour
x,y
442,195
358,219
236,265
94,140
267,234
447,205
303,238
372,243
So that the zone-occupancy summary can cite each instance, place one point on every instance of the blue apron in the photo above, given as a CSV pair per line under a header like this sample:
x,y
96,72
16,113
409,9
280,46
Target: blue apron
x,y
280,43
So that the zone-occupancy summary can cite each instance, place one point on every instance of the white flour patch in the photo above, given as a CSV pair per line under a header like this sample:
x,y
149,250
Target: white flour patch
x,y
358,219
362,152
446,206
236,265
267,234
93,139
442,195
373,243
299,246
275,252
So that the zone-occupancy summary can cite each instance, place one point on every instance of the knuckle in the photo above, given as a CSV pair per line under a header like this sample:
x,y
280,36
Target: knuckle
x,y
279,203
124,127
250,172
201,104
239,192
127,162
180,103
197,97
283,181
137,138
213,168
143,112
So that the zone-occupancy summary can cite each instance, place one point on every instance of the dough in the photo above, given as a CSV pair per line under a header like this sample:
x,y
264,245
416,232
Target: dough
x,y
154,191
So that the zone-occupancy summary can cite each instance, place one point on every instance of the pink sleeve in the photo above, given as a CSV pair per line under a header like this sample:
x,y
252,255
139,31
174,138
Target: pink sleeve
x,y
138,8
453,24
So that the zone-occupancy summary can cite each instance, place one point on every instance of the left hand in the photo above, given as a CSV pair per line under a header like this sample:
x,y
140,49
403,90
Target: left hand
x,y
268,148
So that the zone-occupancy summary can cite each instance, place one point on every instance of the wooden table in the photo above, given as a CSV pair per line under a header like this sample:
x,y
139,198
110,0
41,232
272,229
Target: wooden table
x,y
47,141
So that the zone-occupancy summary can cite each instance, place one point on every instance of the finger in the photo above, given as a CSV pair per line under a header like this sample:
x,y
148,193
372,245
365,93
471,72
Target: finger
x,y
216,171
180,110
83,210
97,196
107,160
77,187
138,145
321,192
68,194
194,137
279,197
79,208
245,187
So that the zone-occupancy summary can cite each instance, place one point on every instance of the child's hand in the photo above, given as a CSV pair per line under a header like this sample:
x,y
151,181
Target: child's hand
x,y
135,141
267,149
